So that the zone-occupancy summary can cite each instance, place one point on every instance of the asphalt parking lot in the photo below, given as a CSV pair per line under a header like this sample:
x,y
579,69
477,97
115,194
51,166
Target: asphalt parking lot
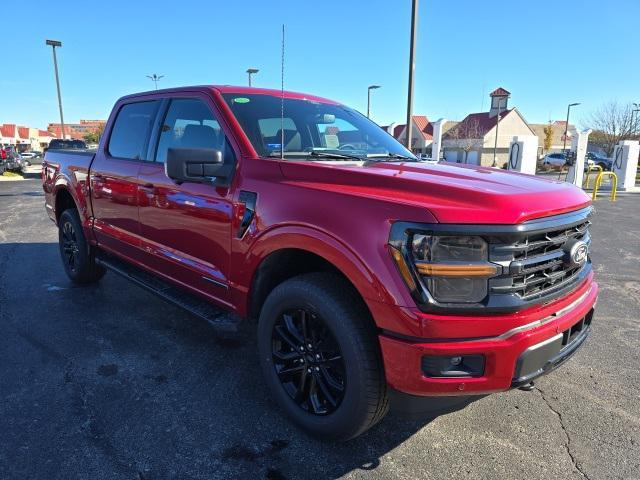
x,y
109,382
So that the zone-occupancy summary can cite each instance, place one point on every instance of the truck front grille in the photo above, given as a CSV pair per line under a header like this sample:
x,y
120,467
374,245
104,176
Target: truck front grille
x,y
536,264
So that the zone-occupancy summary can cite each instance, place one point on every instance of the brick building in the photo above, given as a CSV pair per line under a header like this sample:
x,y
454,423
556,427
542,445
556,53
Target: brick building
x,y
77,131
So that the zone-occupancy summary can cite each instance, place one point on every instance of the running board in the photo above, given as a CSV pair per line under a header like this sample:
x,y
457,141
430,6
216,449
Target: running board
x,y
218,318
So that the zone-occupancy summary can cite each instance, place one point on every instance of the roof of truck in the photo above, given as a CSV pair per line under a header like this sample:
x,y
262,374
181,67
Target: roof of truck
x,y
239,90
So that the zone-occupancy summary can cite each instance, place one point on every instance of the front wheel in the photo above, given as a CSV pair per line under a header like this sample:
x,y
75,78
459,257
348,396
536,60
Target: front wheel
x,y
320,357
77,256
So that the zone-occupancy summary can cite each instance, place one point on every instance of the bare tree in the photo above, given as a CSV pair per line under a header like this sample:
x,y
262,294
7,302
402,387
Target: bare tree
x,y
466,136
611,123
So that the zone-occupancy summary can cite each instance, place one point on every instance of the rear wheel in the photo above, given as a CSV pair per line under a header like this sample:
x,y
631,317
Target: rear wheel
x,y
77,255
321,358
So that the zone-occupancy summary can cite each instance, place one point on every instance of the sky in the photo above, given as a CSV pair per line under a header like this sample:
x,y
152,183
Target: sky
x,y
547,53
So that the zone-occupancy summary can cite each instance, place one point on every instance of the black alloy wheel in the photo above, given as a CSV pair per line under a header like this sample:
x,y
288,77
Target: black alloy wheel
x,y
70,246
320,355
308,361
78,257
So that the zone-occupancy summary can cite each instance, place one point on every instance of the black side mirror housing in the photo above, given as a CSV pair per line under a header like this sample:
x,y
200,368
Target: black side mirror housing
x,y
198,165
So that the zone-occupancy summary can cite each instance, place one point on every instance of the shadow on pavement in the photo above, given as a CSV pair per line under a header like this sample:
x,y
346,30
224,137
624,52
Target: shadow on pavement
x,y
142,389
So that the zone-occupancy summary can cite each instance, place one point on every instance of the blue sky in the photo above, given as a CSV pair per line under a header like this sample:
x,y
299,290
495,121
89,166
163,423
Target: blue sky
x,y
547,53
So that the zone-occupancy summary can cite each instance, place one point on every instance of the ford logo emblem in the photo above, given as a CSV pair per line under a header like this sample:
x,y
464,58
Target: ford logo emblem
x,y
575,253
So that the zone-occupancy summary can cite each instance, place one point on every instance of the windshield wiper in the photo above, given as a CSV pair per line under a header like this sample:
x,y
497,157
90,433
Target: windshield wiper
x,y
391,155
335,156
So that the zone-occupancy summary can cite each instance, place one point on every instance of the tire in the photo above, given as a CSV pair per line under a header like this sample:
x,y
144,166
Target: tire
x,y
348,356
77,255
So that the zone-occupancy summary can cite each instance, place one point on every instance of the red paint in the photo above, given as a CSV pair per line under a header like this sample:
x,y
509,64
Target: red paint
x,y
341,213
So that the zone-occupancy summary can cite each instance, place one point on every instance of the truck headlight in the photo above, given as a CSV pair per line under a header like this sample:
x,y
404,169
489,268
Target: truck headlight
x,y
449,268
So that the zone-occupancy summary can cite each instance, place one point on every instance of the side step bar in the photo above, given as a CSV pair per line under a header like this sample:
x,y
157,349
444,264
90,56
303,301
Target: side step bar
x,y
218,318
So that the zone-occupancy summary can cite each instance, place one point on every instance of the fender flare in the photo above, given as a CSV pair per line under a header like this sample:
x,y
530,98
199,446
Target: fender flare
x,y
62,182
322,244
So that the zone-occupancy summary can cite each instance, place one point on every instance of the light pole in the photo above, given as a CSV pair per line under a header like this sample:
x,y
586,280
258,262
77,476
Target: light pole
x,y
369,88
155,78
634,125
566,127
412,51
251,71
54,44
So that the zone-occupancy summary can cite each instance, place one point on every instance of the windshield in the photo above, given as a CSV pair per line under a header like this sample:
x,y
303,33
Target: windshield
x,y
312,130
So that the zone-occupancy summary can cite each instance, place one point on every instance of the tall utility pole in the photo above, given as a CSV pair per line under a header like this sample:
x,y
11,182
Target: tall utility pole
x,y
412,51
566,127
155,78
369,88
634,125
54,44
251,71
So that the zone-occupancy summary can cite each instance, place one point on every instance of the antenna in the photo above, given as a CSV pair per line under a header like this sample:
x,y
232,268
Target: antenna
x,y
282,99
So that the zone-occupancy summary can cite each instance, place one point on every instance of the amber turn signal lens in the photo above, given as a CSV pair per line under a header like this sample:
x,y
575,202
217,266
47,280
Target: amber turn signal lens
x,y
455,270
404,268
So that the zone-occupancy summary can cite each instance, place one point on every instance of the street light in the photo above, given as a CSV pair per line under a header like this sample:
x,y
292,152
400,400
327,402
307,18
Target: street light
x,y
251,71
369,88
412,50
53,44
155,78
566,127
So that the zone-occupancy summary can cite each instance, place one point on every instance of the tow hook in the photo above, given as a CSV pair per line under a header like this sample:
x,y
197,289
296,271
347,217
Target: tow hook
x,y
527,387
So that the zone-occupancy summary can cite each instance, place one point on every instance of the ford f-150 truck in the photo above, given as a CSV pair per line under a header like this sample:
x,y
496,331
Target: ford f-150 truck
x,y
375,280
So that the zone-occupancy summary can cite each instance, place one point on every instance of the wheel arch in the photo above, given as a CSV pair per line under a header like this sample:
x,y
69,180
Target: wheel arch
x,y
297,250
63,200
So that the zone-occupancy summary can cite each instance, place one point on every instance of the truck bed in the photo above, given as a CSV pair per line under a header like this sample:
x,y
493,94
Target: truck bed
x,y
70,168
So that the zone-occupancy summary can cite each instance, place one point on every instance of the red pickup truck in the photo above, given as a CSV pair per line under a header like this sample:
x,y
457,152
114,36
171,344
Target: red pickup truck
x,y
375,279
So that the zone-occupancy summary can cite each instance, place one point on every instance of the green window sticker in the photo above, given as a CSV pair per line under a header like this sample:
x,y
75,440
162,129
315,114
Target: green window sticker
x,y
241,100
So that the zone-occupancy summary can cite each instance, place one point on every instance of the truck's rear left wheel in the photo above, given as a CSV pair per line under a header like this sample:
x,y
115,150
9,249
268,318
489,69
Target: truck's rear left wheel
x,y
77,256
321,358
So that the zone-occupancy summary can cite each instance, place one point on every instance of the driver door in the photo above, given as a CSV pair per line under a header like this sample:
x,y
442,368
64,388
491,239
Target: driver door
x,y
186,228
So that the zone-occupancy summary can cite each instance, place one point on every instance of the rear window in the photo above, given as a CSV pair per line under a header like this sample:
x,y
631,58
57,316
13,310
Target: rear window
x,y
130,131
64,144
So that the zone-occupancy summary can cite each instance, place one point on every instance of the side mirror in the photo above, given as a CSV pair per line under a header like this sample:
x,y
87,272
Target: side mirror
x,y
197,165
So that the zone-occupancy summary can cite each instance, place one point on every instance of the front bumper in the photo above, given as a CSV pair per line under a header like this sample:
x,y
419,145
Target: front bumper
x,y
513,357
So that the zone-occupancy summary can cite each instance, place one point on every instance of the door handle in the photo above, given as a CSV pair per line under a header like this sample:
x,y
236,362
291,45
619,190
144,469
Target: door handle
x,y
148,186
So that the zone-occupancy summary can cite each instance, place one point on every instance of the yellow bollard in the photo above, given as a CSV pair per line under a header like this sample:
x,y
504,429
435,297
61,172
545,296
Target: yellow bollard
x,y
592,168
598,182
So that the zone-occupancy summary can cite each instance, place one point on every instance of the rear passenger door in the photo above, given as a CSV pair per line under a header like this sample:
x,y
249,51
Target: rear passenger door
x,y
186,228
114,178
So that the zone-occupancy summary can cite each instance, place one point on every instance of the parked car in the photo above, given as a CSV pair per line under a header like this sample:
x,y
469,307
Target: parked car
x,y
11,158
376,281
594,159
555,159
31,158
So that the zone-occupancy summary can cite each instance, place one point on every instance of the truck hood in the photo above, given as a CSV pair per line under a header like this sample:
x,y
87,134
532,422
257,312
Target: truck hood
x,y
453,193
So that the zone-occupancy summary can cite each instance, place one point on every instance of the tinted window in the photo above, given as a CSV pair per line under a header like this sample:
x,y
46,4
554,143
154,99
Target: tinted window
x,y
310,129
60,144
189,123
131,129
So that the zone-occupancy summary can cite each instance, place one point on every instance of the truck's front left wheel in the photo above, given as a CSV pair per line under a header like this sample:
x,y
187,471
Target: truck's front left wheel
x,y
321,358
77,256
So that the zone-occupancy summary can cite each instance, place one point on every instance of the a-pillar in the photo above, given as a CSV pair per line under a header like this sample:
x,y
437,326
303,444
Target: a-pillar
x,y
579,147
436,146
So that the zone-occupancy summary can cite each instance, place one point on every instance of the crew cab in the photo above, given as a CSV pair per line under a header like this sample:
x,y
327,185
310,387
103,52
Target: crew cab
x,y
374,280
